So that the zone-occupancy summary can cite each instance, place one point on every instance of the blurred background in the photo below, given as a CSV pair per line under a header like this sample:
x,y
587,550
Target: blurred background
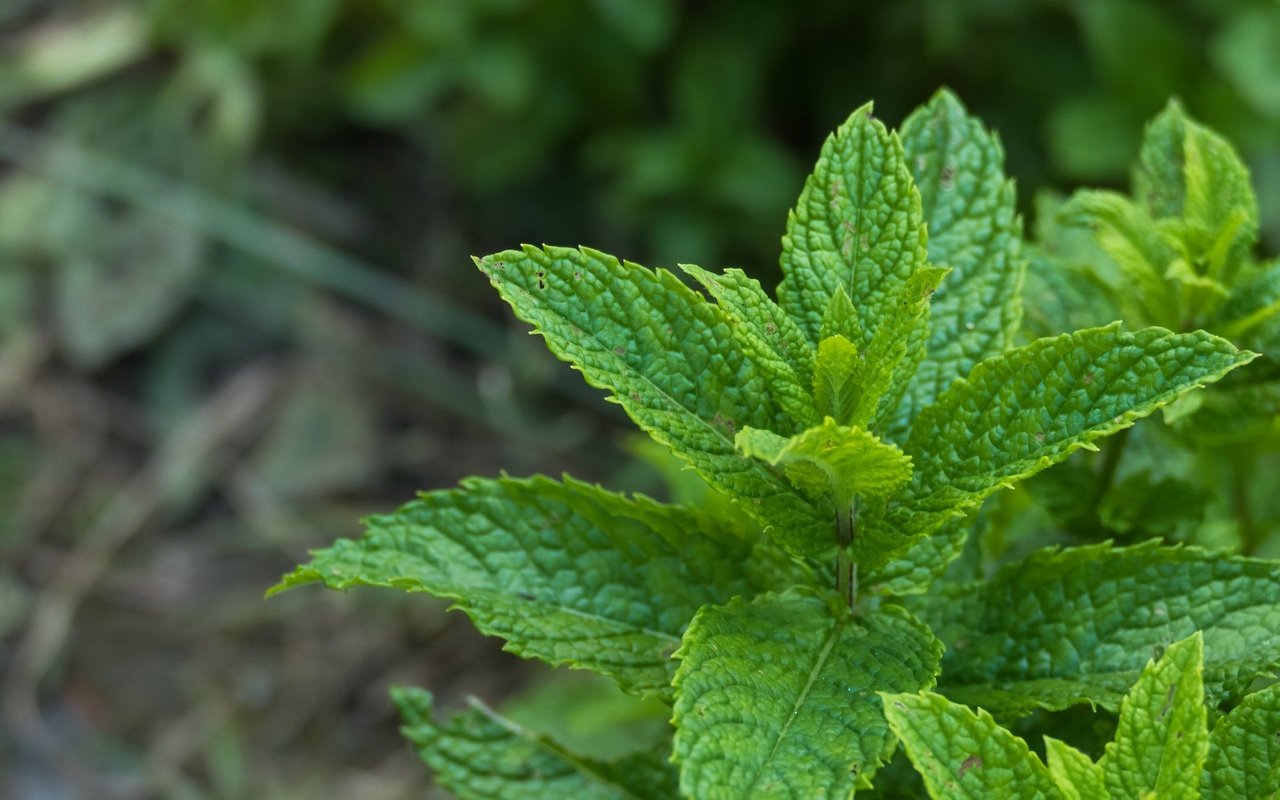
x,y
237,309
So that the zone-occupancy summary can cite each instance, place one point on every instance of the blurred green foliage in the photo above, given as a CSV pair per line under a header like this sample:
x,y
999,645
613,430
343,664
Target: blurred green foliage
x,y
194,188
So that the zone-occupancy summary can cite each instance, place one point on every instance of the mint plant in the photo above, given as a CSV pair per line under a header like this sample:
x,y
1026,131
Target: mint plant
x,y
855,421
1163,746
1177,251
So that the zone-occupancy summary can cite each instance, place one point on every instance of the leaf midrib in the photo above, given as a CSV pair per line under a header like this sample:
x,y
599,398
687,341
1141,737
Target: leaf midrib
x,y
578,764
819,663
626,369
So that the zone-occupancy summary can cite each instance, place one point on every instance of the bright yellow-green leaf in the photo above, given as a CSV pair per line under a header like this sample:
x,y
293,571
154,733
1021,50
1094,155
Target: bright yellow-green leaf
x,y
1162,739
832,461
1077,777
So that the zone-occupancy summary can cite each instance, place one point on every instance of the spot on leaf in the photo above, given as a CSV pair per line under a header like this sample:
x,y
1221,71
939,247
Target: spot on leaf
x,y
972,762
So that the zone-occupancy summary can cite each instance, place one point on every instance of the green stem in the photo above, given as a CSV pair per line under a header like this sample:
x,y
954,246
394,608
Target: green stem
x,y
846,570
1110,462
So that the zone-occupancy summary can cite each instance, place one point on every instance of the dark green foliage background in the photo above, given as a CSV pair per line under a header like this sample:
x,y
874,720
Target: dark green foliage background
x,y
237,310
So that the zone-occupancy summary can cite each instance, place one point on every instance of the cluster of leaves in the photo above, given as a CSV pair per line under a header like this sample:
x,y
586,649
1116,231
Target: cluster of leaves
x,y
856,421
1179,253
1163,746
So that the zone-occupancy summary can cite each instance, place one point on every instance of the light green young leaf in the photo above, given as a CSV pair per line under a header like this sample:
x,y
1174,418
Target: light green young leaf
x,y
964,755
671,361
841,318
1023,411
1163,737
1188,172
772,339
836,379
832,461
858,225
1135,244
479,755
759,684
974,229
565,572
895,352
1075,626
1077,777
862,385
1244,750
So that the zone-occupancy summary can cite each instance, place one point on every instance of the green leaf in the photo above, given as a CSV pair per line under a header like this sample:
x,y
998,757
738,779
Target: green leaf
x,y
964,755
836,379
1154,506
769,337
858,225
927,557
479,754
895,352
1188,172
565,572
832,461
1087,618
1250,304
1162,737
672,362
1070,282
1077,777
841,318
1021,412
777,697
1244,748
974,228
862,386
1130,237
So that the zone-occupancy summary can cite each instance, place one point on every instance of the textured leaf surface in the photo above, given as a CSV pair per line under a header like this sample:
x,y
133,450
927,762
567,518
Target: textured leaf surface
x,y
915,570
1027,409
832,461
1162,738
776,698
1077,626
671,360
478,754
841,318
836,385
772,339
1141,254
1251,304
1186,170
858,225
1077,777
1244,750
565,572
974,229
964,755
896,350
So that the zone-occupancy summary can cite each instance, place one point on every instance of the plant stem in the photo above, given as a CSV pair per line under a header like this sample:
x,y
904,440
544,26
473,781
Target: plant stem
x,y
1110,461
846,570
